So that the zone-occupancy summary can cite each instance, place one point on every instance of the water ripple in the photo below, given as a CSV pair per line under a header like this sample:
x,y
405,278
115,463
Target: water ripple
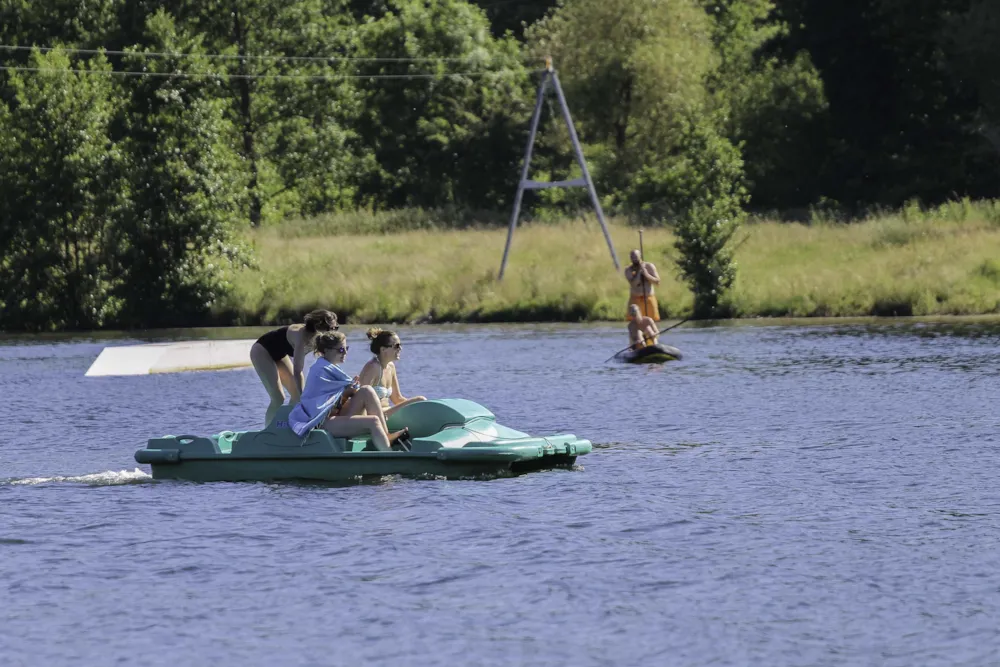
x,y
784,496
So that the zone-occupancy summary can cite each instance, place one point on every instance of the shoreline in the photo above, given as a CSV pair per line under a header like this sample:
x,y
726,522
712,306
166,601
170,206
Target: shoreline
x,y
245,332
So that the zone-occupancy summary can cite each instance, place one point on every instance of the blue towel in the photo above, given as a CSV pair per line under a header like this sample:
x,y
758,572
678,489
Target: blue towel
x,y
325,384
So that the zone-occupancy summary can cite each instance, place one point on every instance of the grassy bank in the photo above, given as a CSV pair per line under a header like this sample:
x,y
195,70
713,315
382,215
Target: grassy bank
x,y
945,262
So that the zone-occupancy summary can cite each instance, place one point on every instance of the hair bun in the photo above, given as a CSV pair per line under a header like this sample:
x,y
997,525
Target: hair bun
x,y
373,333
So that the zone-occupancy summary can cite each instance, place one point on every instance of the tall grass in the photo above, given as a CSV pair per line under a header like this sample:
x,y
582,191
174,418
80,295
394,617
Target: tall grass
x,y
556,272
911,262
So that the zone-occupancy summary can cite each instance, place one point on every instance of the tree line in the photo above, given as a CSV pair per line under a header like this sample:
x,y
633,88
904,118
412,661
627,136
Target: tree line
x,y
138,138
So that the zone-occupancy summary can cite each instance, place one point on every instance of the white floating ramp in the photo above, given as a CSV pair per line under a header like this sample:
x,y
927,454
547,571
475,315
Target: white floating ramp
x,y
199,355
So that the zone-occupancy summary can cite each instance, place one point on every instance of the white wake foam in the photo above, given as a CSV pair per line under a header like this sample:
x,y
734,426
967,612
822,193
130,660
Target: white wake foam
x,y
107,478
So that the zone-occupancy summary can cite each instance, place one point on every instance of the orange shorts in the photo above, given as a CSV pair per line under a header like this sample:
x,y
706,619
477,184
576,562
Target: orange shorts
x,y
647,306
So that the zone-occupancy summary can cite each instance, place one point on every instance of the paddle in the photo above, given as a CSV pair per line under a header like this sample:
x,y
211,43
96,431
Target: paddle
x,y
642,258
645,338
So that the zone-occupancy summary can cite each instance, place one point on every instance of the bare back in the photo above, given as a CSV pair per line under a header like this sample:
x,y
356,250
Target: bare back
x,y
640,330
634,334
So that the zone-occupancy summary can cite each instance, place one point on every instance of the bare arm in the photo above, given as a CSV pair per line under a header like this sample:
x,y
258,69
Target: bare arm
x,y
397,396
649,273
630,276
298,362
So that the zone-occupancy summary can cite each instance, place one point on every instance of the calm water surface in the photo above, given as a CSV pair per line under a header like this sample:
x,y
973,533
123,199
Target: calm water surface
x,y
808,495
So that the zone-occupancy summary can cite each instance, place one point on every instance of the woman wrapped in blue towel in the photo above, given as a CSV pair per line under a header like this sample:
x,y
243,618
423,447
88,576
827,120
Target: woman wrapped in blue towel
x,y
328,388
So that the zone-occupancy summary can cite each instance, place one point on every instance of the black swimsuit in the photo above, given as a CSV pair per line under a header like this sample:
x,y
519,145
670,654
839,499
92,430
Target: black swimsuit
x,y
276,343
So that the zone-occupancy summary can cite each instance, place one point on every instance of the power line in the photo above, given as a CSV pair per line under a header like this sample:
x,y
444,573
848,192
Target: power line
x,y
223,56
194,75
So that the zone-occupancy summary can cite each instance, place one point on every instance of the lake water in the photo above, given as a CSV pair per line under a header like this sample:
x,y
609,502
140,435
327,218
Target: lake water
x,y
785,495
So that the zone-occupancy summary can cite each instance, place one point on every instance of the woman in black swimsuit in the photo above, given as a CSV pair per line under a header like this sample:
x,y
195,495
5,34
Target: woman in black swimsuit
x,y
270,357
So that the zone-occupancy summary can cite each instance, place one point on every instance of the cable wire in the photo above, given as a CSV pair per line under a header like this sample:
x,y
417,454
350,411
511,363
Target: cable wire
x,y
217,56
306,77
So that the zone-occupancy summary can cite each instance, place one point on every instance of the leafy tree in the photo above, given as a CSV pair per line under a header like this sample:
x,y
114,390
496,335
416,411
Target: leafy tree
x,y
772,104
59,190
969,41
46,23
649,57
454,136
700,188
291,114
177,239
514,16
666,158
900,123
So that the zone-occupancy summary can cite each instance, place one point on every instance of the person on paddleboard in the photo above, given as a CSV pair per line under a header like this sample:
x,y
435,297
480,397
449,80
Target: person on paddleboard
x,y
642,330
642,276
279,357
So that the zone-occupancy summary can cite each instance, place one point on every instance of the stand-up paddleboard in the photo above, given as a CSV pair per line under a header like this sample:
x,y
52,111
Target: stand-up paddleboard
x,y
198,355
651,354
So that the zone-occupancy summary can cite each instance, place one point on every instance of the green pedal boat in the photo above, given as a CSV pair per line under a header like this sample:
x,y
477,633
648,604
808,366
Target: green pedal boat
x,y
451,438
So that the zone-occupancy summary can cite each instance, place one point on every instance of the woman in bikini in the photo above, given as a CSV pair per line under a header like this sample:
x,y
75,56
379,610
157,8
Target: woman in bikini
x,y
333,400
380,371
270,357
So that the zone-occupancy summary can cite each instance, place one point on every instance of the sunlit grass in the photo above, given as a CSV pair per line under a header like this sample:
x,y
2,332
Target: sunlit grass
x,y
556,272
883,266
911,263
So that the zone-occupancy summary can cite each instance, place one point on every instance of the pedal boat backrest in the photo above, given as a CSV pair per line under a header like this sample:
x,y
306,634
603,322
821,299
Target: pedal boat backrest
x,y
278,434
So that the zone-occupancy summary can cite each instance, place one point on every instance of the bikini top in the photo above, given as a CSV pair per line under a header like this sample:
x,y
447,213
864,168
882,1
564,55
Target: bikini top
x,y
381,391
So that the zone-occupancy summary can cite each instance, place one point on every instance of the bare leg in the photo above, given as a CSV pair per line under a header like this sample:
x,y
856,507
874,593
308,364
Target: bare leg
x,y
288,379
366,401
267,371
344,427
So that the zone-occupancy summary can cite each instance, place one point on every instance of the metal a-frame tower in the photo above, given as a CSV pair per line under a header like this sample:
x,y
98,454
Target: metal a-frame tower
x,y
549,77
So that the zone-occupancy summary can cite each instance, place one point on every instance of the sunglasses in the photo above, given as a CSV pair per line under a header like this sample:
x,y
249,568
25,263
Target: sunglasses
x,y
343,350
397,346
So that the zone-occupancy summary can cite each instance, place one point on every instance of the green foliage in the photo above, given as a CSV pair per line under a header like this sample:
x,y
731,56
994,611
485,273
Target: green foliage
x,y
650,56
120,197
448,139
291,121
772,104
969,39
177,238
700,188
900,123
514,17
665,158
59,190
50,22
